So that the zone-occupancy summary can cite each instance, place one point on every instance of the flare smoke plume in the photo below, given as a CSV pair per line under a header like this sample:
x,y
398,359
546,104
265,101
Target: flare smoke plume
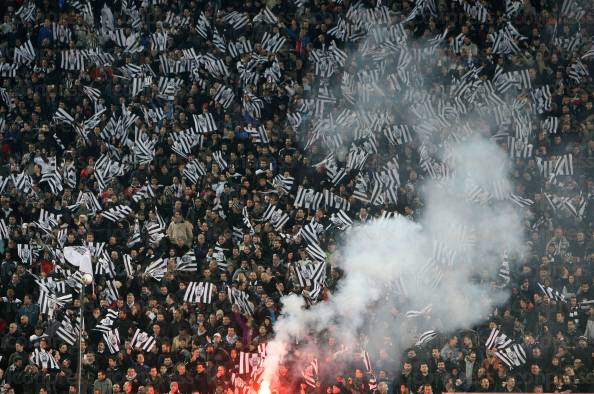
x,y
448,258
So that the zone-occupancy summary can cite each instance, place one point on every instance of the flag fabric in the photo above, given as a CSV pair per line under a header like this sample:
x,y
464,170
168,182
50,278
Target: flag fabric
x,y
509,352
497,340
276,216
512,356
249,362
25,253
67,332
199,292
156,269
44,359
266,16
308,198
552,293
240,298
366,361
426,338
187,262
117,214
141,340
310,273
106,323
111,290
80,257
423,312
310,373
112,341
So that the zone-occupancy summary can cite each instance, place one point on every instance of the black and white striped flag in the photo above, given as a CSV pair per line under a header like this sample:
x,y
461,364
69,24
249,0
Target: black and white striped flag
x,y
159,42
219,159
238,48
199,292
284,183
61,33
141,340
112,341
27,11
204,123
276,216
236,19
309,273
512,356
44,359
194,170
426,338
249,362
4,232
240,298
25,253
106,324
308,198
550,124
72,60
572,9
8,70
203,26
341,220
67,332
105,267
138,84
519,148
542,99
111,290
497,340
552,293
259,135
25,54
157,269
273,43
187,263
266,16
117,214
224,96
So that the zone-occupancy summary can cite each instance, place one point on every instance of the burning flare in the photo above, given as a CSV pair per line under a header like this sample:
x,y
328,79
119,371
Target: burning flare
x,y
264,388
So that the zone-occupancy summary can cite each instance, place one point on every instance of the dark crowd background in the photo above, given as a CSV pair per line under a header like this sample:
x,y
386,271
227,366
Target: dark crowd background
x,y
198,345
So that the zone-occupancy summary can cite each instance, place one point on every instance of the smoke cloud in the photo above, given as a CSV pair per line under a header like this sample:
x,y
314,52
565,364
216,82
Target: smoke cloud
x,y
447,258
378,255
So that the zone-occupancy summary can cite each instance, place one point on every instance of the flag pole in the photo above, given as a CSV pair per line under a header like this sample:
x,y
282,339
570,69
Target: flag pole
x,y
80,352
85,280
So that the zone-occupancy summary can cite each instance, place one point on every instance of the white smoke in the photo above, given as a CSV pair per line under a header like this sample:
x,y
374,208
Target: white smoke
x,y
450,255
377,255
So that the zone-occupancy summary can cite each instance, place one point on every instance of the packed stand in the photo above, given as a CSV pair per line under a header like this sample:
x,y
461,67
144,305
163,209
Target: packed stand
x,y
184,144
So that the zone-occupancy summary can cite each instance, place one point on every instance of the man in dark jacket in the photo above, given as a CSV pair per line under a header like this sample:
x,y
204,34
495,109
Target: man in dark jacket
x,y
184,381
201,378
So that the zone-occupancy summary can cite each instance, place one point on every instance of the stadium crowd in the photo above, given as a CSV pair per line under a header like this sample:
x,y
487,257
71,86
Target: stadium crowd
x,y
193,203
